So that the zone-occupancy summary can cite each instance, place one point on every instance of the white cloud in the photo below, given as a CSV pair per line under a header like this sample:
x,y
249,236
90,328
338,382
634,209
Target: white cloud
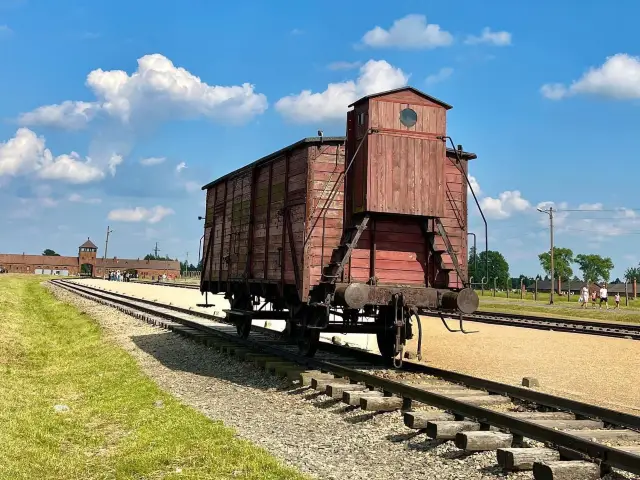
x,y
157,89
473,182
68,115
505,205
140,214
343,65
411,31
553,91
500,39
25,154
77,198
147,162
181,166
441,75
617,78
307,107
114,161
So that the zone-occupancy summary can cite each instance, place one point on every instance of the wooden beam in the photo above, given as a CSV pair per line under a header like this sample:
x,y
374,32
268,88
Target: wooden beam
x,y
483,441
573,470
380,404
419,420
518,459
353,397
570,424
335,389
443,430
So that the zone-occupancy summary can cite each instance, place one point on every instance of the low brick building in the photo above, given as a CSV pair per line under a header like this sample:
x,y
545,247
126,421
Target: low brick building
x,y
86,263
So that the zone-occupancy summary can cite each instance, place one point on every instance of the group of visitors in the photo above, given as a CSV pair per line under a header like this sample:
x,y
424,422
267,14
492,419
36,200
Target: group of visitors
x,y
118,276
602,294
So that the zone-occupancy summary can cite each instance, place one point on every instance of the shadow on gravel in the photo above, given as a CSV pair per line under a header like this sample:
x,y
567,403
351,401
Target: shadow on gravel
x,y
403,437
425,445
180,354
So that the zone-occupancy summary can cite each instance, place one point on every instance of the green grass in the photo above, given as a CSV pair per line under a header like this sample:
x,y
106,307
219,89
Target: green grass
x,y
562,308
52,354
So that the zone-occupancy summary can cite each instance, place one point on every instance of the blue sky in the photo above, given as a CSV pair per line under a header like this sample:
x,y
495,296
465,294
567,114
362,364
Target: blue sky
x,y
546,95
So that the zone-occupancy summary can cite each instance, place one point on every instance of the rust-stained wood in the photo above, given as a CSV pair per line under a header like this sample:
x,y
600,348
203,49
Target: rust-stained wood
x,y
224,226
399,170
284,219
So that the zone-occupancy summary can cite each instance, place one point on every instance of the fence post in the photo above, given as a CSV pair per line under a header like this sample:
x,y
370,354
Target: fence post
x,y
569,291
521,288
535,292
508,286
626,293
494,285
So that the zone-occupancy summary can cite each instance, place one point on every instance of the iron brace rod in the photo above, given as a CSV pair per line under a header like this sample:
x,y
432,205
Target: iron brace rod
x,y
342,175
486,228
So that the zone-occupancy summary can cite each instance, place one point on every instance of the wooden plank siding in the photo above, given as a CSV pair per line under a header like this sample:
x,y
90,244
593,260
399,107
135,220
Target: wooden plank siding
x,y
324,219
405,171
301,179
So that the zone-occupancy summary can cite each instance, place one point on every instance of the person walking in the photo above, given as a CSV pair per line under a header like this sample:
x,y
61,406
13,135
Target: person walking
x,y
603,296
593,299
584,297
617,300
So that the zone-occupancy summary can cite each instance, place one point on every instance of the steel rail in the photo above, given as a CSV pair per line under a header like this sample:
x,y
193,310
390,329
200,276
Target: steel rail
x,y
589,327
612,417
603,454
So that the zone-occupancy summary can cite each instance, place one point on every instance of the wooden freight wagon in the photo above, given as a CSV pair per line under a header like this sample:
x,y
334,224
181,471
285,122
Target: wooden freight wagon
x,y
371,225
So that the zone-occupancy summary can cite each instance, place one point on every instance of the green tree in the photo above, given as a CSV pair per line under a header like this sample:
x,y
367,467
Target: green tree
x,y
497,266
562,260
151,256
50,253
595,268
631,274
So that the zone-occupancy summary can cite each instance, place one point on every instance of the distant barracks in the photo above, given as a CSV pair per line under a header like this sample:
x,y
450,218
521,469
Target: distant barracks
x,y
86,263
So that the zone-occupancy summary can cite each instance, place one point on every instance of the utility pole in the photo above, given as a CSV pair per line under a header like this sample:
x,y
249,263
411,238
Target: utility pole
x,y
186,266
550,213
156,250
106,243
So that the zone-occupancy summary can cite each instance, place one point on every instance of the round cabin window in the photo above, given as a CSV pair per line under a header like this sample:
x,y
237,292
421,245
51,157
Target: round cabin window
x,y
408,117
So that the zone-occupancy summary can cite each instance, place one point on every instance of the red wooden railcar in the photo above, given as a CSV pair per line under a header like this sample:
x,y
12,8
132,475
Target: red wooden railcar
x,y
368,226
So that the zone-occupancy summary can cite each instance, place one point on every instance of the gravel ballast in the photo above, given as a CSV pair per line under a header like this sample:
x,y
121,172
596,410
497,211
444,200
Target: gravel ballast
x,y
318,435
589,368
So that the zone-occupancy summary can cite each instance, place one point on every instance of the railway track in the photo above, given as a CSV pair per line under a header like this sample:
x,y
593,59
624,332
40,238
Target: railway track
x,y
577,440
592,327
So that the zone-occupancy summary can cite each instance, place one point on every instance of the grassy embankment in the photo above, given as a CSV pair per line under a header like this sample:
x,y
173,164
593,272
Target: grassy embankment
x,y
561,308
51,354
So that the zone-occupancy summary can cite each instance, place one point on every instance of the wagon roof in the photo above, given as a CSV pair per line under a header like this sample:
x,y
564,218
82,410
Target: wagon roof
x,y
293,146
402,89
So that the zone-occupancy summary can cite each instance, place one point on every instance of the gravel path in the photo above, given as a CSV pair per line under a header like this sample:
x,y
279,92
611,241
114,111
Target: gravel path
x,y
312,432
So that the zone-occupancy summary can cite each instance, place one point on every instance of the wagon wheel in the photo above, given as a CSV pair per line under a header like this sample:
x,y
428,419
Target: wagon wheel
x,y
243,322
386,335
309,338
292,330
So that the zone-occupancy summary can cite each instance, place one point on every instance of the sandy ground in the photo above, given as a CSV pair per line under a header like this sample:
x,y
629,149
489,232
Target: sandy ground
x,y
585,367
187,297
